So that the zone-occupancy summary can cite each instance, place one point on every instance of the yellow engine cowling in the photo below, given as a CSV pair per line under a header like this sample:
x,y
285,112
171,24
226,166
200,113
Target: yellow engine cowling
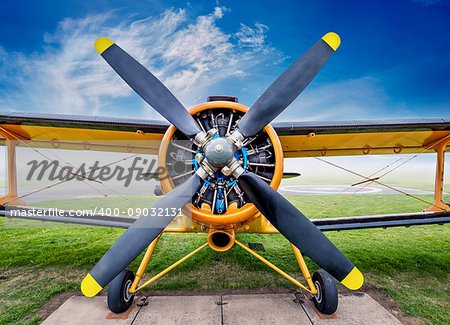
x,y
235,216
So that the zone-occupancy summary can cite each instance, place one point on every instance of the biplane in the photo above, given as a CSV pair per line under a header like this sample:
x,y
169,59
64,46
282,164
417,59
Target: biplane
x,y
223,163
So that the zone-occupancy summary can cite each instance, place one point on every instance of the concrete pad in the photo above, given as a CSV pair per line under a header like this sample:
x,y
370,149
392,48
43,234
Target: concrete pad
x,y
79,310
184,310
263,309
228,309
352,309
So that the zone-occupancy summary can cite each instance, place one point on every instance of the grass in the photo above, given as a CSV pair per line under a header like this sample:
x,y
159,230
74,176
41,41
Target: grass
x,y
410,265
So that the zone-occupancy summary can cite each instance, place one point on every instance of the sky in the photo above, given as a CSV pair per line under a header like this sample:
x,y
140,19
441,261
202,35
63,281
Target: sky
x,y
393,60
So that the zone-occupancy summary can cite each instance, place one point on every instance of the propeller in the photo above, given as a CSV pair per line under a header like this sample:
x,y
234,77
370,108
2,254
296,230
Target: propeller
x,y
283,215
288,86
139,236
146,85
301,232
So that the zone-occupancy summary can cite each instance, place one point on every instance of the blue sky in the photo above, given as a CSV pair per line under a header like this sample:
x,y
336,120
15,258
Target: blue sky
x,y
393,61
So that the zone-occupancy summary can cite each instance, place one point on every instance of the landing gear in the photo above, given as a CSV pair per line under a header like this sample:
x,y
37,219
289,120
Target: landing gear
x,y
321,285
326,299
119,298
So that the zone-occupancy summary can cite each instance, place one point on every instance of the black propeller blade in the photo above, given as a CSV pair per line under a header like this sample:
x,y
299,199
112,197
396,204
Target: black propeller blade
x,y
147,86
288,86
293,225
138,237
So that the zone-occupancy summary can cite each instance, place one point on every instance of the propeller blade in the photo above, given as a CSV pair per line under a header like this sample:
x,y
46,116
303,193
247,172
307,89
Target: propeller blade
x,y
146,85
138,237
301,232
288,86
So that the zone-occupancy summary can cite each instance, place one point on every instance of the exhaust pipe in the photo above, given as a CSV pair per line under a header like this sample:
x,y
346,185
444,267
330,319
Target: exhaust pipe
x,y
221,240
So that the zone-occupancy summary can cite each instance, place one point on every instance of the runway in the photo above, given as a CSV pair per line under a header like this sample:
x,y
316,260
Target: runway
x,y
347,190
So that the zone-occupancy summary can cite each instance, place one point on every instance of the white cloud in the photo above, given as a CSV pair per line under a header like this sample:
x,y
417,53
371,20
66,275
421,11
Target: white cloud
x,y
357,98
254,38
68,76
194,58
219,12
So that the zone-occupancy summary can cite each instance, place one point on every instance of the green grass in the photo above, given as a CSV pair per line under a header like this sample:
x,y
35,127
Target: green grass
x,y
410,265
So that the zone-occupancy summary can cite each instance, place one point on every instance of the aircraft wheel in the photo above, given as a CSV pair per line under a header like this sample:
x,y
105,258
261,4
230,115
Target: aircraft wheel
x,y
326,299
119,299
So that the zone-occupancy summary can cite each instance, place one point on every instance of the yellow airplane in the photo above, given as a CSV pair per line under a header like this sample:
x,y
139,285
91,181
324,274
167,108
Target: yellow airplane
x,y
236,159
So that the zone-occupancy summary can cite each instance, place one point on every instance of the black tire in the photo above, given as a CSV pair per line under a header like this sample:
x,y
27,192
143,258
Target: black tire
x,y
119,299
326,299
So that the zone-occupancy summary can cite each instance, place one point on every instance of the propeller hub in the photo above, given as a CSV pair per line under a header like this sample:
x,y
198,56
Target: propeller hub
x,y
219,152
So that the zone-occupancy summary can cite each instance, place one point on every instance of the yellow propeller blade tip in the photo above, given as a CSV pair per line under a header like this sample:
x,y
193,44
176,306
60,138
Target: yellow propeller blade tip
x,y
354,280
102,44
332,39
90,287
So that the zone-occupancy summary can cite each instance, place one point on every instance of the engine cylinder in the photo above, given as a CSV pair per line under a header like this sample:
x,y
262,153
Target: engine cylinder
x,y
220,203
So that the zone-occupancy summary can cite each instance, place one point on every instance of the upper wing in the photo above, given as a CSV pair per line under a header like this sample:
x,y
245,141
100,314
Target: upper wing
x,y
80,132
298,139
359,137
